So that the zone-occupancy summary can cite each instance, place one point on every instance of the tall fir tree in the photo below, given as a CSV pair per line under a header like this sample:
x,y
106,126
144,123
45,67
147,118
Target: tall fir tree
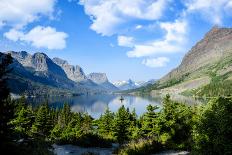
x,y
43,122
148,121
23,121
121,125
105,123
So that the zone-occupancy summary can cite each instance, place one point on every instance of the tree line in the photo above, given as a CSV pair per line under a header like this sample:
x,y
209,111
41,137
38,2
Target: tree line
x,y
201,129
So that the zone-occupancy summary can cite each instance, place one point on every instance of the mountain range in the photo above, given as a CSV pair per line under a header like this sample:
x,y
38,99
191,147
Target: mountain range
x,y
37,74
130,84
206,70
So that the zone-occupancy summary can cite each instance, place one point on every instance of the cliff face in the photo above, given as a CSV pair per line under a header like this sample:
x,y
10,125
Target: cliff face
x,y
98,77
37,74
214,47
74,73
102,80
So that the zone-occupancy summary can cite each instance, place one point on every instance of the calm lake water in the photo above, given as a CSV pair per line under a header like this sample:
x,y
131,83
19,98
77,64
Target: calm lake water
x,y
95,105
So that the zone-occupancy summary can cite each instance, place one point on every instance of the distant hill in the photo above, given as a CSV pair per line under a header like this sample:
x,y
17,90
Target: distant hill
x,y
37,74
206,70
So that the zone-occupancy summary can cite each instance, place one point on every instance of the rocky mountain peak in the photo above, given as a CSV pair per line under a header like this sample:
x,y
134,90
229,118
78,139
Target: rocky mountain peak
x,y
22,57
75,73
39,61
98,77
59,61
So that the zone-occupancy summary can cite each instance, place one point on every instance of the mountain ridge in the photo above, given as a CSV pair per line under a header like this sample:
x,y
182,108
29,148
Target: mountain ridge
x,y
206,64
38,74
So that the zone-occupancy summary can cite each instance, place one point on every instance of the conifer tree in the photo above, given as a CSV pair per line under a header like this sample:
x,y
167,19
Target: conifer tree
x,y
23,121
148,121
121,125
86,126
43,122
65,115
105,122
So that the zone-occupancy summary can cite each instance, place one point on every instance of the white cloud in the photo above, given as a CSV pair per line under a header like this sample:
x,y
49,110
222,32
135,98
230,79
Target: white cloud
x,y
173,41
125,41
109,15
138,27
18,13
13,35
156,62
212,10
40,37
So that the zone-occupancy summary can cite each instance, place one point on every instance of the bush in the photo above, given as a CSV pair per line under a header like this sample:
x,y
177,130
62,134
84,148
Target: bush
x,y
140,147
213,130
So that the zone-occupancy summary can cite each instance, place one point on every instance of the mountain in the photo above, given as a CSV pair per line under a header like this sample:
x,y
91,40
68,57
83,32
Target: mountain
x,y
37,74
205,68
126,85
102,80
74,73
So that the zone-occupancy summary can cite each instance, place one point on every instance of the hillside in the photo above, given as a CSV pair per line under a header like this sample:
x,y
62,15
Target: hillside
x,y
37,74
206,70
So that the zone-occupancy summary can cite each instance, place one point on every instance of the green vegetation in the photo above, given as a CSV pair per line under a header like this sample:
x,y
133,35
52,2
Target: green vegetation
x,y
202,130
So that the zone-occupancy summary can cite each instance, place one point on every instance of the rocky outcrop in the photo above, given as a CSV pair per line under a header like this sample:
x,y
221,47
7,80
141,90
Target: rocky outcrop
x,y
215,46
102,80
74,73
98,77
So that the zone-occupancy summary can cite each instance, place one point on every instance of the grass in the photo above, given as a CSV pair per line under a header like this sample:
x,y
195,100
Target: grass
x,y
140,147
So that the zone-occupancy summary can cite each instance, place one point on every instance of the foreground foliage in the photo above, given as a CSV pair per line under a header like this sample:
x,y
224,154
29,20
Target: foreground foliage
x,y
203,129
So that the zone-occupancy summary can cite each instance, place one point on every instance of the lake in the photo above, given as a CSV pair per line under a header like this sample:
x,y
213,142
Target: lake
x,y
95,105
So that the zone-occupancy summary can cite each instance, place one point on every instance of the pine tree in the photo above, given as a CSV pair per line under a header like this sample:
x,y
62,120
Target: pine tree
x,y
23,121
86,124
121,125
43,122
148,121
65,115
105,123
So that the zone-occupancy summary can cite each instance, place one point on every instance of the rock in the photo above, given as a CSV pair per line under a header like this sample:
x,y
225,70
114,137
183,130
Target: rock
x,y
74,73
215,46
102,80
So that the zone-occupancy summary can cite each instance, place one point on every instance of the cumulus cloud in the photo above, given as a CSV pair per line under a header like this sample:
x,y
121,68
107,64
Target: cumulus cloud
x,y
18,13
40,37
108,16
156,62
212,10
125,41
172,42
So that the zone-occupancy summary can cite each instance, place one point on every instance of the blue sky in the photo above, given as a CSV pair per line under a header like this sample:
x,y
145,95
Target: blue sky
x,y
139,39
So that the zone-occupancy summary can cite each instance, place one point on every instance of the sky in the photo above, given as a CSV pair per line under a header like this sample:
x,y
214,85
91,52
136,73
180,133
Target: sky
x,y
136,39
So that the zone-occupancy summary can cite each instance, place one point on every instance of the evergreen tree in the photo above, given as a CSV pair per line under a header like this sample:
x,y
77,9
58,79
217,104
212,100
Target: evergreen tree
x,y
174,124
86,126
149,121
213,131
65,115
43,122
23,121
121,125
105,123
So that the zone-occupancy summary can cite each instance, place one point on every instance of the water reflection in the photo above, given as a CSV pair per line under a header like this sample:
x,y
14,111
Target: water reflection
x,y
95,105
